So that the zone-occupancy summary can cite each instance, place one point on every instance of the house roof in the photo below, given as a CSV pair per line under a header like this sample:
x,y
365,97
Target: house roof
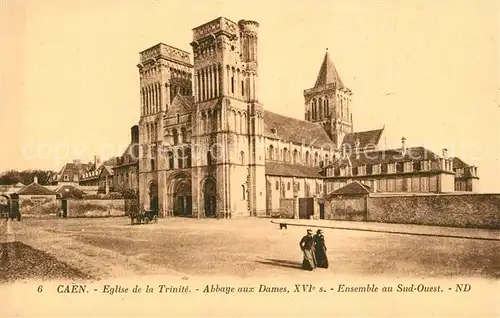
x,y
459,163
354,187
35,189
274,168
108,169
296,131
366,138
69,191
73,168
385,156
328,74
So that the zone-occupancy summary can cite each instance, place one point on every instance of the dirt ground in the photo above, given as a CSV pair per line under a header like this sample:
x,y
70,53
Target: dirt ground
x,y
111,247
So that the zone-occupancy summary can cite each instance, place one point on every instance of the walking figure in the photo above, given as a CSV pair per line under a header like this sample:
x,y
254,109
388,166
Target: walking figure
x,y
320,250
307,246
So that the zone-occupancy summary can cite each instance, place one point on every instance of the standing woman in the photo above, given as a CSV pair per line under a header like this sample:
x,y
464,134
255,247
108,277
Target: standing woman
x,y
307,246
320,251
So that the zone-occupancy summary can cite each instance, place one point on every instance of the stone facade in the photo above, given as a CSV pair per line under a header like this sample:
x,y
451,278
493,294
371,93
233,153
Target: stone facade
x,y
207,146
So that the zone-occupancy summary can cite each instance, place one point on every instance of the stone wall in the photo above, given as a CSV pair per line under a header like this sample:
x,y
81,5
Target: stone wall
x,y
288,208
38,205
352,208
460,210
96,208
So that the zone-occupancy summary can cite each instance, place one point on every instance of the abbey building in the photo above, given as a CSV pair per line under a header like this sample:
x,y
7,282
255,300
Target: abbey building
x,y
209,148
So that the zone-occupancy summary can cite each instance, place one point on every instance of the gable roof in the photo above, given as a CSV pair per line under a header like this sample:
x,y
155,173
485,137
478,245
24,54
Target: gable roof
x,y
181,104
328,74
296,131
108,169
385,156
459,163
366,138
274,168
354,187
69,191
35,189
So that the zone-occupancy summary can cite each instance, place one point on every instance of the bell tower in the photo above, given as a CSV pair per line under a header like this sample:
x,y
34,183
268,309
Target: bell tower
x,y
164,72
228,130
328,102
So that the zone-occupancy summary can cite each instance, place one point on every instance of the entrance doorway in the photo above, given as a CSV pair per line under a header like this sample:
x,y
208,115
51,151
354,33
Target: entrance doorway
x,y
153,196
183,199
306,208
210,193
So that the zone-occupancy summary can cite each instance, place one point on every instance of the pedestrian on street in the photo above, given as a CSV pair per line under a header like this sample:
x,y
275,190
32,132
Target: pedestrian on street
x,y
320,249
307,246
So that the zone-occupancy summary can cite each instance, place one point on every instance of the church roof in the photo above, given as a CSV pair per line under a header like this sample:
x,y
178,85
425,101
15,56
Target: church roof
x,y
296,131
366,138
274,168
328,74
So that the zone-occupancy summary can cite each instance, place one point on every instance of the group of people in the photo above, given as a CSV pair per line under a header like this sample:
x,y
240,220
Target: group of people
x,y
314,249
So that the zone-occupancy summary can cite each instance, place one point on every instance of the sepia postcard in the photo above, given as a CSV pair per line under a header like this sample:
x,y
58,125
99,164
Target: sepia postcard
x,y
168,158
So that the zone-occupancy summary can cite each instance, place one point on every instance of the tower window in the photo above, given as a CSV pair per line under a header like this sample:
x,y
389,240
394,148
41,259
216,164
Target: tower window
x,y
153,166
232,85
243,191
242,88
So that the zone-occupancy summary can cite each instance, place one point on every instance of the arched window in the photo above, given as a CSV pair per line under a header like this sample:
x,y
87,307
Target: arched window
x,y
170,156
295,156
286,155
242,157
209,158
320,108
178,118
316,159
243,192
176,136
327,160
308,159
180,159
184,135
153,165
325,107
187,154
277,185
271,152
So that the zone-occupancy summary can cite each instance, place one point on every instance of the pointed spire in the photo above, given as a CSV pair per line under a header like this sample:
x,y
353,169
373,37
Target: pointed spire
x,y
328,73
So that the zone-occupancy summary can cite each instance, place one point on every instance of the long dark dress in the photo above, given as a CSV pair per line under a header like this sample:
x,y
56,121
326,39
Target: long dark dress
x,y
307,247
320,251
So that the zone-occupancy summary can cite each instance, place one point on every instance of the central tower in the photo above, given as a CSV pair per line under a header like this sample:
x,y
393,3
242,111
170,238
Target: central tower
x,y
229,174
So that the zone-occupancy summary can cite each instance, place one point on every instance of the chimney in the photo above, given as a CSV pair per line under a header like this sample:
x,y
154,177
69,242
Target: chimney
x,y
134,134
35,179
97,161
445,153
356,147
403,146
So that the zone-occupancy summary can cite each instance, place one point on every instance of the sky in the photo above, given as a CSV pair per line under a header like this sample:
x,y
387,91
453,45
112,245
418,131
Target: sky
x,y
426,70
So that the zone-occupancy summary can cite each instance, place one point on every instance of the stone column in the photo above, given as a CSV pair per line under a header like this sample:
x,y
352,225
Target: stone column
x,y
315,215
296,208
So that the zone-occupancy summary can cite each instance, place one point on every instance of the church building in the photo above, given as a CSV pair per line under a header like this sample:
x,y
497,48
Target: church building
x,y
209,148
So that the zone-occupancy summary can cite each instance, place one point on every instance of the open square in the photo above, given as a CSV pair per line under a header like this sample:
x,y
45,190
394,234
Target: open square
x,y
111,247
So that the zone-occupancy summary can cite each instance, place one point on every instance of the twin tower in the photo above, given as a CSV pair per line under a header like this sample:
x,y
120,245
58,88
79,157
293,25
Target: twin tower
x,y
202,126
